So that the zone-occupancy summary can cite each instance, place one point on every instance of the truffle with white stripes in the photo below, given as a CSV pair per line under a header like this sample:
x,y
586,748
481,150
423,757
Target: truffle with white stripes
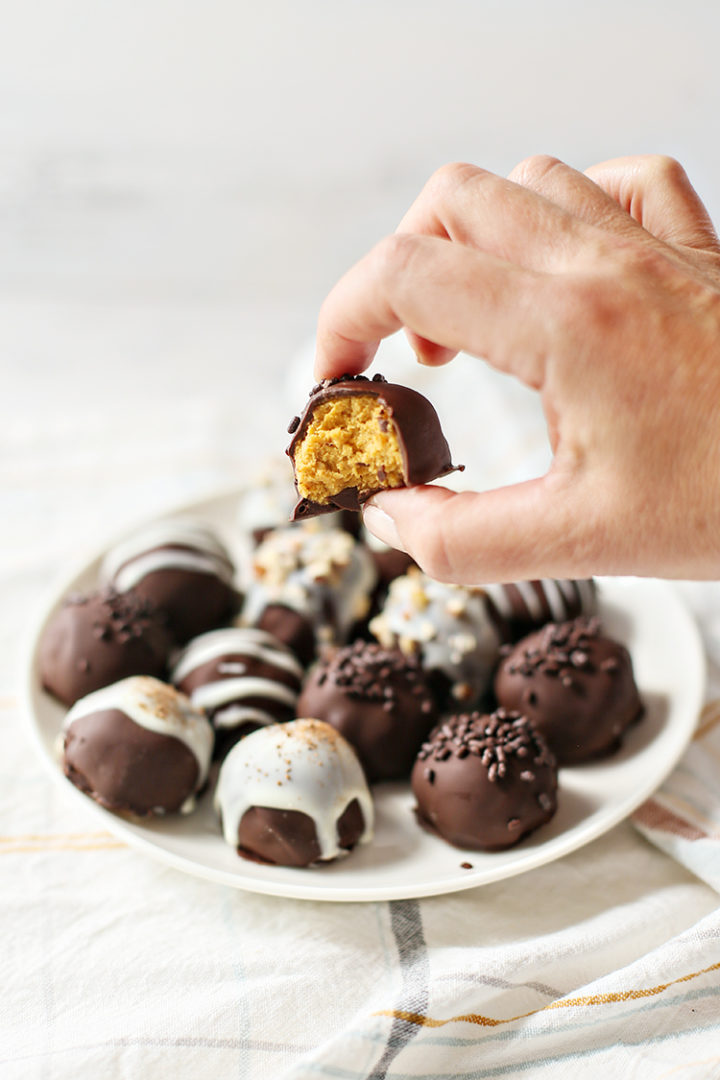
x,y
242,677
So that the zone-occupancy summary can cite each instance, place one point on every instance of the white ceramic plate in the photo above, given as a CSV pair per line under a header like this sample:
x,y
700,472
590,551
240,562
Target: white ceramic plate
x,y
403,860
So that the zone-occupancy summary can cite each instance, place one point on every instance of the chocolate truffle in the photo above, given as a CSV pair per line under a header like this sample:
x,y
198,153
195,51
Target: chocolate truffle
x,y
522,606
182,568
99,638
483,782
358,436
576,685
243,679
311,587
378,699
138,747
447,627
294,794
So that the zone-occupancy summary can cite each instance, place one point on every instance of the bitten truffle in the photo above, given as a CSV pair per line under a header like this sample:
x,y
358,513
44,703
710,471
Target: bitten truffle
x,y
137,747
449,629
99,638
575,684
310,587
242,678
358,436
294,794
379,700
483,782
183,568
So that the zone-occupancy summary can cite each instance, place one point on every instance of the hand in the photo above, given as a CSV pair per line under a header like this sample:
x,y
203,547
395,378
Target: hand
x,y
602,291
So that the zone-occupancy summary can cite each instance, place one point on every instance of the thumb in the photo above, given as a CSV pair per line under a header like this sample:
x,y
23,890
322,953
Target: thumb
x,y
526,531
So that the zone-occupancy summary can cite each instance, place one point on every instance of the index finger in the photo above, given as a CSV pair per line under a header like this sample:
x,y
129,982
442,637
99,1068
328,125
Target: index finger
x,y
457,297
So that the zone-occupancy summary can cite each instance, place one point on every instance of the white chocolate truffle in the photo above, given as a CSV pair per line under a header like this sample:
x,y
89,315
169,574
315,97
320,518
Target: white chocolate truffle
x,y
323,574
305,768
447,627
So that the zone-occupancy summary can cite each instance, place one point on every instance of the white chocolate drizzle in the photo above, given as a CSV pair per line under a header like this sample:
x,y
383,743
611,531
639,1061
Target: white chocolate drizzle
x,y
448,626
304,765
153,705
234,641
565,598
173,544
324,574
227,694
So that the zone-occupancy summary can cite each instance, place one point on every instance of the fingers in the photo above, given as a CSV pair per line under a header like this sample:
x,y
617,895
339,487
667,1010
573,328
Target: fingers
x,y
451,295
575,192
475,207
656,192
525,531
428,353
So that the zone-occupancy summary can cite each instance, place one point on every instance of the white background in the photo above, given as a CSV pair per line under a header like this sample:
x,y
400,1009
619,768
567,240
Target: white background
x,y
181,183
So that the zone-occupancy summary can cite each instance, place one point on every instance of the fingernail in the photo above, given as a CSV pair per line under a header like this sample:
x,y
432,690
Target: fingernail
x,y
381,525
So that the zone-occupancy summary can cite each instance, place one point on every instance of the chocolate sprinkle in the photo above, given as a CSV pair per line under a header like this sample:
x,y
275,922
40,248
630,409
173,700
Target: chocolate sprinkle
x,y
492,738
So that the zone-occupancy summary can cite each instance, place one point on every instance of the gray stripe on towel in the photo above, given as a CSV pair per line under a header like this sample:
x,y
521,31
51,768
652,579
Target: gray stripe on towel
x,y
406,923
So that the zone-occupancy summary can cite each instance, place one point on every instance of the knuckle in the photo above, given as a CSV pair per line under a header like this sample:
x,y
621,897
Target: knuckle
x,y
664,169
448,178
531,171
394,254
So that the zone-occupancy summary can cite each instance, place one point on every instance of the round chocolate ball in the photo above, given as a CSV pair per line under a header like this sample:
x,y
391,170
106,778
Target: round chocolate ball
x,y
483,782
311,586
519,607
242,678
294,794
137,747
448,628
575,684
183,568
100,638
378,699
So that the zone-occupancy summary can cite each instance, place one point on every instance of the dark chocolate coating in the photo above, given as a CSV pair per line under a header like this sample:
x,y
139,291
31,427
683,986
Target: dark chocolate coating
x,y
212,671
290,627
522,618
100,638
126,767
483,782
194,601
390,564
576,685
378,699
289,838
424,450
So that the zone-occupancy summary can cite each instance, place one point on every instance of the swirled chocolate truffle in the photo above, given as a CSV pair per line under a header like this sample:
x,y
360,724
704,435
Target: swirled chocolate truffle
x,y
358,436
138,747
99,638
242,678
311,587
183,568
448,628
378,699
483,782
294,794
575,684
520,607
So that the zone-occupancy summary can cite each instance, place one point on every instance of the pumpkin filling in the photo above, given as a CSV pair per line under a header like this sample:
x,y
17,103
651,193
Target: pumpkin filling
x,y
350,442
